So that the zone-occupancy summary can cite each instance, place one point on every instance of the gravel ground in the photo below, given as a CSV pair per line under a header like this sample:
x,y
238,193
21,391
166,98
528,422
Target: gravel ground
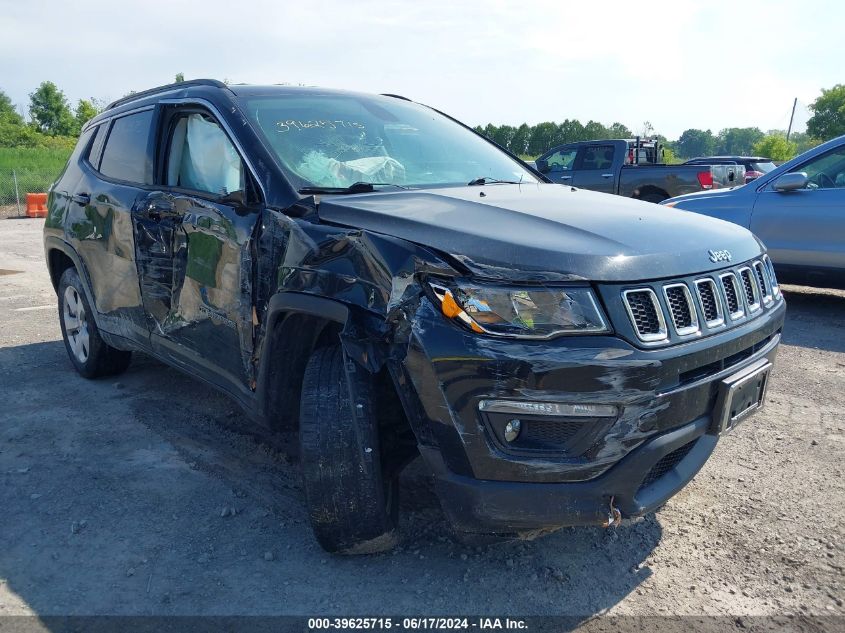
x,y
147,494
12,211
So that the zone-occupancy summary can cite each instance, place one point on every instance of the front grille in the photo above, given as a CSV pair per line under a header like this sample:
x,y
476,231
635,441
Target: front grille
x,y
749,286
710,303
666,463
724,298
646,314
732,295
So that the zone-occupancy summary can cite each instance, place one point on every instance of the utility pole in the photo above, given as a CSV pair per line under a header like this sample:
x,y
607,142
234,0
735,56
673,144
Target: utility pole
x,y
791,117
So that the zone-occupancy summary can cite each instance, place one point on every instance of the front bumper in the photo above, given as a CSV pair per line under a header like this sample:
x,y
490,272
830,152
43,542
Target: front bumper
x,y
665,397
474,505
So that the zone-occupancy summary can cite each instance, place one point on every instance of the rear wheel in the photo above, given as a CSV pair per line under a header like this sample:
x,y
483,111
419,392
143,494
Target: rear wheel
x,y
90,354
352,501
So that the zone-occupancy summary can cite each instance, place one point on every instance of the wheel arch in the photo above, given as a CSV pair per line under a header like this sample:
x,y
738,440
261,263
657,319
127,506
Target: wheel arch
x,y
60,257
296,325
651,190
57,263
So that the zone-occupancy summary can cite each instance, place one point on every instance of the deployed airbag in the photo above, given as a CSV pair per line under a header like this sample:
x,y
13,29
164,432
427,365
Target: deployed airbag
x,y
209,160
330,172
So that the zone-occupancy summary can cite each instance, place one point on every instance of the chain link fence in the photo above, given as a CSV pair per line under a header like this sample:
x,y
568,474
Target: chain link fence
x,y
16,183
26,170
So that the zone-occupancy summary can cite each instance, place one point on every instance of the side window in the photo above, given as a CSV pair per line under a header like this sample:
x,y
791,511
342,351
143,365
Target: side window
x,y
827,171
562,160
125,153
93,156
202,158
597,157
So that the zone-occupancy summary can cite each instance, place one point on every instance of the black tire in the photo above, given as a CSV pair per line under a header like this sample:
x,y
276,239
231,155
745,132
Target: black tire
x,y
353,505
90,354
654,197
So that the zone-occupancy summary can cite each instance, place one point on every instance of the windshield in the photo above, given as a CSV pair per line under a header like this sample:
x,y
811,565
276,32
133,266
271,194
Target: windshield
x,y
339,140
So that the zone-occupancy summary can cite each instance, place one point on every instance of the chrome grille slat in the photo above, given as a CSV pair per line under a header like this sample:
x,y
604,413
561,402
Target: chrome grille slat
x,y
646,314
730,290
765,285
749,288
773,281
681,308
765,282
711,304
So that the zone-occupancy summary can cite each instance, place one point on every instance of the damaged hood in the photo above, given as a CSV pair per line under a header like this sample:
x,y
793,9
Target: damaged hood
x,y
546,231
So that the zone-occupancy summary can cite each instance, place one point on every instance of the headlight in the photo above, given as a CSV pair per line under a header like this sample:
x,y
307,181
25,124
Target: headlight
x,y
521,312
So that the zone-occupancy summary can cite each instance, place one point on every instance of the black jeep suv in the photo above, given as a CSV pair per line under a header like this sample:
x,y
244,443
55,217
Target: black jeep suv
x,y
373,274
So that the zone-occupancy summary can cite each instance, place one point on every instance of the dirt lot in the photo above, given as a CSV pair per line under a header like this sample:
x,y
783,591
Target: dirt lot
x,y
12,211
116,497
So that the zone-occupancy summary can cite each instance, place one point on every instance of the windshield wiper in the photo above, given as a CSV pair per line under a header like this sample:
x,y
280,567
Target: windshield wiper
x,y
483,180
355,187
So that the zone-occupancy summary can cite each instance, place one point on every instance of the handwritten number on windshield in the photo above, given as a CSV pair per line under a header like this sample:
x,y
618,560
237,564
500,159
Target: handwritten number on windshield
x,y
294,124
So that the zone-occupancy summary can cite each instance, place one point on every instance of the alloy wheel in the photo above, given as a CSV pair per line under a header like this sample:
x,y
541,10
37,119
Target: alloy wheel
x,y
76,324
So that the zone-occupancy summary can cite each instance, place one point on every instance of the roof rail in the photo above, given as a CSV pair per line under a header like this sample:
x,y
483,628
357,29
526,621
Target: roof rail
x,y
182,84
388,94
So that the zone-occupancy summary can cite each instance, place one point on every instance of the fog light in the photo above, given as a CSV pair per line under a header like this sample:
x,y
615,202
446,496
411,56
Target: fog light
x,y
512,429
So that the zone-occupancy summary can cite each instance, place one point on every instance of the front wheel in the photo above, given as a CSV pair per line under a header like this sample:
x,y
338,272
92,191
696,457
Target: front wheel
x,y
90,354
352,501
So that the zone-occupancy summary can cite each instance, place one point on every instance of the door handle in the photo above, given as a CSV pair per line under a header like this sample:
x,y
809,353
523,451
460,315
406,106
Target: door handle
x,y
82,199
566,177
607,175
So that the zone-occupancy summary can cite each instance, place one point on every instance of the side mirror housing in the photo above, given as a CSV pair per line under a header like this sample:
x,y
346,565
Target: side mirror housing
x,y
542,166
791,182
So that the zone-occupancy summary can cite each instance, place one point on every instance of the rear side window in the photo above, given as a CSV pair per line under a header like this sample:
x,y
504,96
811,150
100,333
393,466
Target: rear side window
x,y
125,153
597,157
78,151
93,156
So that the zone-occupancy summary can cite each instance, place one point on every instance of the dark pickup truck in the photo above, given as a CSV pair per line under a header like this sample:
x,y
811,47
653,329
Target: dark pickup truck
x,y
632,168
385,283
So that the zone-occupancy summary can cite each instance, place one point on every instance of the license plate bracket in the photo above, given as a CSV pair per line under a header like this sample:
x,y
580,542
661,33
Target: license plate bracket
x,y
740,395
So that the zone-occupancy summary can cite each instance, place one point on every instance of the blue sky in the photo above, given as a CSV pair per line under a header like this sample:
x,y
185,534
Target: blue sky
x,y
676,64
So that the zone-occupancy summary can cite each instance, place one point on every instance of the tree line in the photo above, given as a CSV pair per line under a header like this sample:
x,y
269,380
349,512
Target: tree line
x,y
533,140
748,141
827,122
53,123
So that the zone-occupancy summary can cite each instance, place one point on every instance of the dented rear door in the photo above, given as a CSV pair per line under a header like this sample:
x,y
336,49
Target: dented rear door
x,y
115,172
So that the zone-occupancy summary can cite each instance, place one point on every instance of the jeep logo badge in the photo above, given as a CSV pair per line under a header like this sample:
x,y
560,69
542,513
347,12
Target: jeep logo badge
x,y
719,256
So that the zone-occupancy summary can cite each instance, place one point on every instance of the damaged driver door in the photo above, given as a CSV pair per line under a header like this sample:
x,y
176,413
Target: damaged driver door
x,y
193,242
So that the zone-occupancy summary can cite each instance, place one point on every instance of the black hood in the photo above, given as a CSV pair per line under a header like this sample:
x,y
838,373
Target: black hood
x,y
547,231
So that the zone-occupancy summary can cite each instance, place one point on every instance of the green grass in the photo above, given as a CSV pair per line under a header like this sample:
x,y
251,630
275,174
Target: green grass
x,y
35,168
